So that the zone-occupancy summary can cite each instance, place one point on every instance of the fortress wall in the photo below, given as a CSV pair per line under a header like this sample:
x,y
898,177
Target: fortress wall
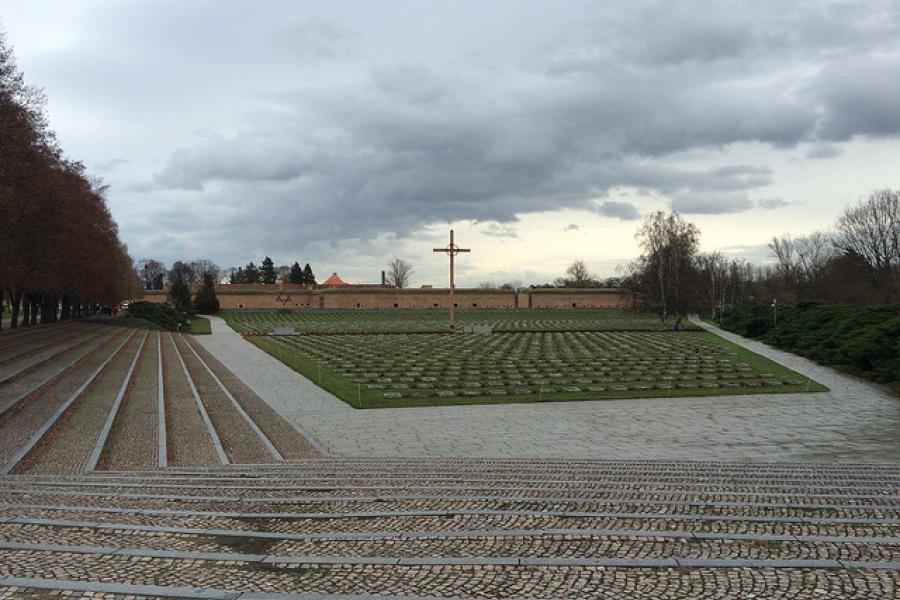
x,y
275,297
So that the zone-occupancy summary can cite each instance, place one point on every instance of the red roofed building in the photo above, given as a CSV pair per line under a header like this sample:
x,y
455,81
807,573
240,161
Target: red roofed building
x,y
334,281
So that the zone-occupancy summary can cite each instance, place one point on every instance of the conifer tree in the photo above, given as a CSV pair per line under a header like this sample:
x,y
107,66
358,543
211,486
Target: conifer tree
x,y
206,301
180,296
296,275
268,271
251,273
308,277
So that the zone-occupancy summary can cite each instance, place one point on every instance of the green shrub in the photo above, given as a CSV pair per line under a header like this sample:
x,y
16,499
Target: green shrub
x,y
159,314
863,340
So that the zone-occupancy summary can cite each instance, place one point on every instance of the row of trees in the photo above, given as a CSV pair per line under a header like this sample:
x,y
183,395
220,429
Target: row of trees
x,y
268,273
154,275
60,252
856,263
205,301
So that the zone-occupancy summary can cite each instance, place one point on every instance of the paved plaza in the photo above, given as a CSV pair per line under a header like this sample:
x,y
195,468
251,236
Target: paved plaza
x,y
854,422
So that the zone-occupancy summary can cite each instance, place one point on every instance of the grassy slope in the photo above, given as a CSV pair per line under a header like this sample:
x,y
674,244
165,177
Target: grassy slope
x,y
863,341
200,326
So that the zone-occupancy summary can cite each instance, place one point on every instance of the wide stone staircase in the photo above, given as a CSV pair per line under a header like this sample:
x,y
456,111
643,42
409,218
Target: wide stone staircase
x,y
339,528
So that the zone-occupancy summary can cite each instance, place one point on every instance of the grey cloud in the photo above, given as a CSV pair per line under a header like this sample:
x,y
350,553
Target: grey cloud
x,y
770,203
327,124
619,210
859,96
821,151
498,230
711,203
571,227
110,165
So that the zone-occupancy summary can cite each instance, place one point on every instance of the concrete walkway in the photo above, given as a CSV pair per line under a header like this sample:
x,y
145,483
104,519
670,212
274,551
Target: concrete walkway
x,y
855,422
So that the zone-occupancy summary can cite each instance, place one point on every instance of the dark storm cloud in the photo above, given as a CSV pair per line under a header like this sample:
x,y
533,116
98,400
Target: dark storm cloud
x,y
346,122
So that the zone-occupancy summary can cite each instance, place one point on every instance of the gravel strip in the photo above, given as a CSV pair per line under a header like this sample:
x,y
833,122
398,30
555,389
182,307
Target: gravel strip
x,y
189,443
68,445
20,354
11,342
288,440
88,341
241,443
18,426
132,443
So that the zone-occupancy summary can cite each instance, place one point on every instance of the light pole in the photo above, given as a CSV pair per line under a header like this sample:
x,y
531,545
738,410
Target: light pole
x,y
775,310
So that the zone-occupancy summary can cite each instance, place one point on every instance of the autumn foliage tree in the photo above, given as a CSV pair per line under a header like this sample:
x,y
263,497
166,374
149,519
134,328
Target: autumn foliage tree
x,y
60,251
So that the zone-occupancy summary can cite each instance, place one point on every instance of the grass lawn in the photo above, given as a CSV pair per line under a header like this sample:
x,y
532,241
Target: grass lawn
x,y
532,364
350,321
200,326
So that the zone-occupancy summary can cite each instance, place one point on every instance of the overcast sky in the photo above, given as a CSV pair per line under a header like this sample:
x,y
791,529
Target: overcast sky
x,y
346,133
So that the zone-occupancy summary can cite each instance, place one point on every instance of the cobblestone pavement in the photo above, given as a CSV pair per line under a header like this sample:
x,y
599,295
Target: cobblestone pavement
x,y
854,422
646,530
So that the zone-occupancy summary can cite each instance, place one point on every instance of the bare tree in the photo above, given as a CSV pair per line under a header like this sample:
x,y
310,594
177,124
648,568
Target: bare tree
x,y
487,285
870,232
203,267
715,280
398,273
666,271
182,271
577,276
814,252
149,270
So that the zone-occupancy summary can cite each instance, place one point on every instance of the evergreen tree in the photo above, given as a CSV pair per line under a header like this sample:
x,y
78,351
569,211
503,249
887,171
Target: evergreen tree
x,y
238,276
180,296
268,271
251,273
296,275
206,301
308,277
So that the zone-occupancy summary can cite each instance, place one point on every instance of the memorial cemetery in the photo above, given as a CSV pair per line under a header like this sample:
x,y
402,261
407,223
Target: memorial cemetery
x,y
567,356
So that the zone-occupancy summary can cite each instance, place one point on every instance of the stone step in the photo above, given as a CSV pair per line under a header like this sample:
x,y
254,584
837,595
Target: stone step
x,y
498,520
70,589
807,503
707,493
36,526
47,553
452,581
641,480
684,511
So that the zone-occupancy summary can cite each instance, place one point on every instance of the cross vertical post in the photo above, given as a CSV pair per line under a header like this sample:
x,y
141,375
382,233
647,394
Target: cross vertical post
x,y
452,250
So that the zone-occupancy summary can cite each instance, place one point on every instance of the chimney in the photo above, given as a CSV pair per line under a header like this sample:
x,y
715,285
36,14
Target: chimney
x,y
383,279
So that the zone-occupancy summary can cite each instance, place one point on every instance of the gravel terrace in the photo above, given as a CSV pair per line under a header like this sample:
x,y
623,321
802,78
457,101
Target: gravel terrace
x,y
132,443
188,441
241,443
22,423
68,445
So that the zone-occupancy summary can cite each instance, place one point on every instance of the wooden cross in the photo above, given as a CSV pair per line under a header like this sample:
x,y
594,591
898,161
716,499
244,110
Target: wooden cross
x,y
452,250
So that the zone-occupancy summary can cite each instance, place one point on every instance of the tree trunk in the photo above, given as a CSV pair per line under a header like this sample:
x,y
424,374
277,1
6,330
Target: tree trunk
x,y
26,311
15,301
64,310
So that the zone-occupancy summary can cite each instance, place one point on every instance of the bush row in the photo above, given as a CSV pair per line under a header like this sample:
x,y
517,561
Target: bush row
x,y
863,340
